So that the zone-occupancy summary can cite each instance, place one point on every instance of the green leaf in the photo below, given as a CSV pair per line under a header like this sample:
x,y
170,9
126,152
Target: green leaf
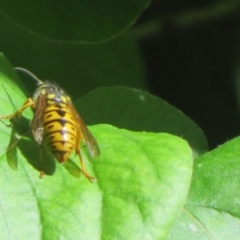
x,y
143,181
82,21
86,66
140,111
212,209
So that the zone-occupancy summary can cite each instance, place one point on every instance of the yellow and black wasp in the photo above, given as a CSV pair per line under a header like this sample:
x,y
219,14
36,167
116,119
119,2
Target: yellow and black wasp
x,y
56,125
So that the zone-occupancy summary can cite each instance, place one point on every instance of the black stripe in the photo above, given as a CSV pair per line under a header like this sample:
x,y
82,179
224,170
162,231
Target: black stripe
x,y
61,112
62,121
61,109
62,142
59,131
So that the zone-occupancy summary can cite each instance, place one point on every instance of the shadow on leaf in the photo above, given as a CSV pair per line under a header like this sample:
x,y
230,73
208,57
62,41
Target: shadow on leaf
x,y
21,137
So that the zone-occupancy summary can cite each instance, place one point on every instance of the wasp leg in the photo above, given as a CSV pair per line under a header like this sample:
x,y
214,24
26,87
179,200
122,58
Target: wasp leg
x,y
90,178
41,175
29,102
77,150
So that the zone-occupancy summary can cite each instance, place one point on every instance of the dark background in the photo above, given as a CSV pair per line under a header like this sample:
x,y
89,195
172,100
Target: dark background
x,y
193,67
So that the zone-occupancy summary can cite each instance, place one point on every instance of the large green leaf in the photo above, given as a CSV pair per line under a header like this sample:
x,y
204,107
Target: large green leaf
x,y
143,181
83,21
86,66
212,209
140,111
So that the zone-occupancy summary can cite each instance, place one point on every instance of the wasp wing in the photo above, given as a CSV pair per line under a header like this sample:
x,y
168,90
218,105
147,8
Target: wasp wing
x,y
37,122
87,137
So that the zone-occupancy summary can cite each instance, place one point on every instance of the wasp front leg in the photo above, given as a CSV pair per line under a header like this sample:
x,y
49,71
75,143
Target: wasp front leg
x,y
28,103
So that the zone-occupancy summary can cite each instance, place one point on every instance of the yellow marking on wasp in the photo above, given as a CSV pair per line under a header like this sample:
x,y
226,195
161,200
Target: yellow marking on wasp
x,y
51,96
64,99
62,105
51,102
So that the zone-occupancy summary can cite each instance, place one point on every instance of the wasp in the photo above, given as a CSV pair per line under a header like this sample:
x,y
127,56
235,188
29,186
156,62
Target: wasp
x,y
56,125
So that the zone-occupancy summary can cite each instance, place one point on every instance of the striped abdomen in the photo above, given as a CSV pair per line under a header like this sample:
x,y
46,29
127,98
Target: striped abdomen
x,y
59,134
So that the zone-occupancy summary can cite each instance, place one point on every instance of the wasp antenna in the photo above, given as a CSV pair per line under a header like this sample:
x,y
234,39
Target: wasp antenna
x,y
9,97
19,69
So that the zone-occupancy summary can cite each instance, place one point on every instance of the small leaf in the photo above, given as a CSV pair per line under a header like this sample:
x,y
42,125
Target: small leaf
x,y
140,111
212,211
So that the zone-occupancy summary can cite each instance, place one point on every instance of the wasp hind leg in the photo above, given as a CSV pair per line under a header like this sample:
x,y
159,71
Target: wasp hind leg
x,y
90,178
41,175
